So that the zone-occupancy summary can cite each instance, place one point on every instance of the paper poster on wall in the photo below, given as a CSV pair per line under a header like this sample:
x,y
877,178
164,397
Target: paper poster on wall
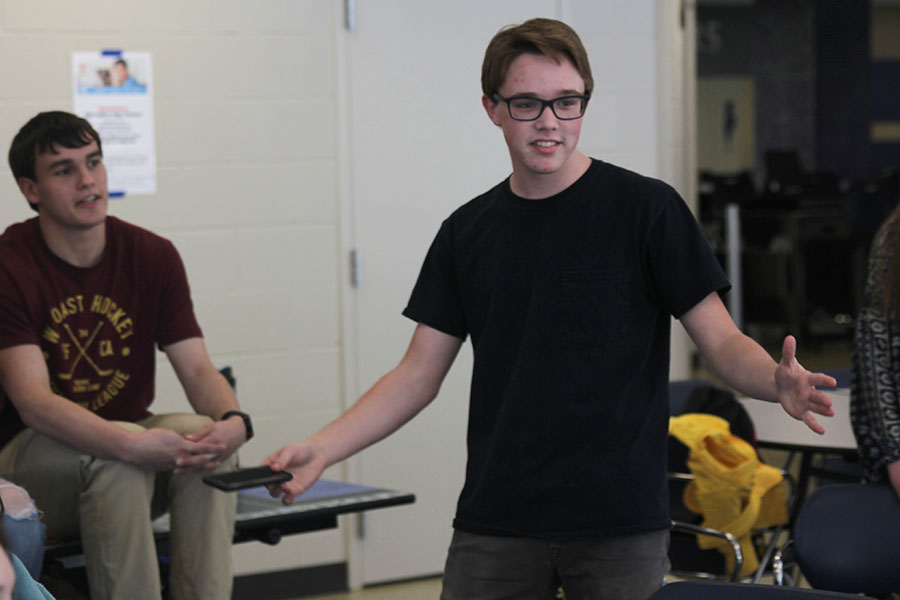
x,y
113,90
726,124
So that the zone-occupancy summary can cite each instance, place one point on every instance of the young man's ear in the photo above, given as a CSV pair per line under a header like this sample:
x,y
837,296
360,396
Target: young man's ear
x,y
28,187
491,105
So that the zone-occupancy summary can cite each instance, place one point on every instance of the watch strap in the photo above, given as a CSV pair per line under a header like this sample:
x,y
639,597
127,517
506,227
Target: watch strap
x,y
248,425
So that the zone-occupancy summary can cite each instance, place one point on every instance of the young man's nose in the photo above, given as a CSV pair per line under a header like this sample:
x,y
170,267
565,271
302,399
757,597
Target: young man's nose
x,y
85,177
546,119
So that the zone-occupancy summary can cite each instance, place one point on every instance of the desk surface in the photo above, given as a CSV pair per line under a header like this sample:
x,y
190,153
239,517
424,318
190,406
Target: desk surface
x,y
325,498
776,429
263,518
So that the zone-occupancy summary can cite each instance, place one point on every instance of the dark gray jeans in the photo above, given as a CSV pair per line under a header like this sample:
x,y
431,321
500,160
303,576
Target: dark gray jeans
x,y
628,567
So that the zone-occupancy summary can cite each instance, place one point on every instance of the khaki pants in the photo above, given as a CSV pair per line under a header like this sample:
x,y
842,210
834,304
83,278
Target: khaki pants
x,y
109,505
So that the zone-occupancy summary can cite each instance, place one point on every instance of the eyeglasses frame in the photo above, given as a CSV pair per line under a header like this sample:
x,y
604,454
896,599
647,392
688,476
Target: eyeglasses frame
x,y
544,104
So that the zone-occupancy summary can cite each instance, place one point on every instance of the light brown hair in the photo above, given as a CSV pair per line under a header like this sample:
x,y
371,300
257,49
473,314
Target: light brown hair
x,y
549,37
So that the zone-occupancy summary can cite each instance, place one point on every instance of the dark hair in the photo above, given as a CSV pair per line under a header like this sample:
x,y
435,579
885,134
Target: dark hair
x,y
42,134
549,37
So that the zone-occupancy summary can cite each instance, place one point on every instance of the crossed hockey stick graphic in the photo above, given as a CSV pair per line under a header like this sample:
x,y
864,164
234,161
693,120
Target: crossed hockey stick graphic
x,y
82,353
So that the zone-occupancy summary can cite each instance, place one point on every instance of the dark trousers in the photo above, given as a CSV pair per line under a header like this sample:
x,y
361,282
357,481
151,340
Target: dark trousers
x,y
628,567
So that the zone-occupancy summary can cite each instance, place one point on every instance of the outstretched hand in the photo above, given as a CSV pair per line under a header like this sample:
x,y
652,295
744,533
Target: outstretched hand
x,y
301,461
797,391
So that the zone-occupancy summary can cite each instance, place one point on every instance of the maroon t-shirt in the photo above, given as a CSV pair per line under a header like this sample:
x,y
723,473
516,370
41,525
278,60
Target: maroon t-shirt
x,y
96,327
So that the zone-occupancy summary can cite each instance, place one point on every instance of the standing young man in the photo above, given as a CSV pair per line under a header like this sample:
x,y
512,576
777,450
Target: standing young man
x,y
565,276
84,300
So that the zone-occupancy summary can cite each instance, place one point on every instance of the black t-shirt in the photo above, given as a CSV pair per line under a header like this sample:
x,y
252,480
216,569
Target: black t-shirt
x,y
568,302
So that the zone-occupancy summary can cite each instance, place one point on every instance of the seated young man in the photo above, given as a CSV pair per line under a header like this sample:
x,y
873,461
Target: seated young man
x,y
84,299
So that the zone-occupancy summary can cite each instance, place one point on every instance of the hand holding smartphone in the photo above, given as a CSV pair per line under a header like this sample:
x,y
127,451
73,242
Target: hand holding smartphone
x,y
246,478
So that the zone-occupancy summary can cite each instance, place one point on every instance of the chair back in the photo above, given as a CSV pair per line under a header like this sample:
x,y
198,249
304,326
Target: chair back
x,y
846,538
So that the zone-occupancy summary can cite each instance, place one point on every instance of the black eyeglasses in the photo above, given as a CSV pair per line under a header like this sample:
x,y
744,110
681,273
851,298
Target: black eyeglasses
x,y
526,108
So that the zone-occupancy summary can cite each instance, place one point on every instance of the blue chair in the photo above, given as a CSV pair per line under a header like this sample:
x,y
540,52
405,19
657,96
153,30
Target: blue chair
x,y
843,375
847,538
715,590
838,468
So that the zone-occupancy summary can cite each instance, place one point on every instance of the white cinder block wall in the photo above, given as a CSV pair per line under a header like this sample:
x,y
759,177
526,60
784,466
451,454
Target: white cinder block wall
x,y
250,161
246,132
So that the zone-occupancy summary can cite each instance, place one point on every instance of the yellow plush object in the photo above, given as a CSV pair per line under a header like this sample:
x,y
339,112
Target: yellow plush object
x,y
732,489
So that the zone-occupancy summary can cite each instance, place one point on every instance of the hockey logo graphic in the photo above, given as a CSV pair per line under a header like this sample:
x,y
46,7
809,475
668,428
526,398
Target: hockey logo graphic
x,y
81,355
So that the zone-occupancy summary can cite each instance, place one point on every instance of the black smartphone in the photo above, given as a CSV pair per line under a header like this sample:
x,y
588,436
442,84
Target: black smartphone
x,y
246,478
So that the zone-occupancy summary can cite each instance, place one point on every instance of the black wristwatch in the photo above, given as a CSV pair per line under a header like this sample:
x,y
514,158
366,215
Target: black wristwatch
x,y
248,424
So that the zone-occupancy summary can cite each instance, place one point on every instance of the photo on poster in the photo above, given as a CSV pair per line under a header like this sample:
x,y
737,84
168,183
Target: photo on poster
x,y
112,73
113,90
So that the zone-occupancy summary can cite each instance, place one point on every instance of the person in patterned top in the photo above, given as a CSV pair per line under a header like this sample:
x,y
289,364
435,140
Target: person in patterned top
x,y
875,391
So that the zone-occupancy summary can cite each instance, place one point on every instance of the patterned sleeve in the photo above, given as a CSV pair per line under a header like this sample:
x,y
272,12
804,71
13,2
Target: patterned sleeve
x,y
875,396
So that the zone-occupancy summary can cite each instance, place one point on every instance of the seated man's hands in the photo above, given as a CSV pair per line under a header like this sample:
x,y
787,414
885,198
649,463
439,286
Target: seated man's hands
x,y
302,461
165,450
228,435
